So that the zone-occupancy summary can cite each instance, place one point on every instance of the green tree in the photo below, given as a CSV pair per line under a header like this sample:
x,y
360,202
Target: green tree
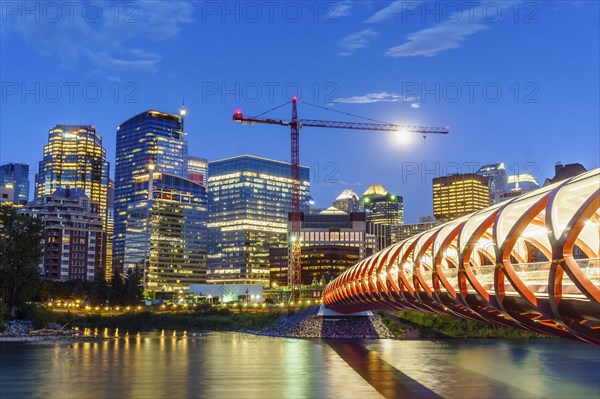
x,y
115,292
21,245
133,286
100,291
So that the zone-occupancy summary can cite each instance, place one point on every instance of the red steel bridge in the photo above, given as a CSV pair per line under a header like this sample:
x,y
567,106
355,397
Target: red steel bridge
x,y
530,262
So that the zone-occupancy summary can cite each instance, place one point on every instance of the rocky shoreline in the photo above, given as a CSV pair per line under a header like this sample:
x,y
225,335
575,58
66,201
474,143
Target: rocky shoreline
x,y
306,324
22,331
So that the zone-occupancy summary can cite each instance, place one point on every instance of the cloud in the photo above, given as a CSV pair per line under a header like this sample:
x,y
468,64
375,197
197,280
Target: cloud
x,y
104,39
376,97
429,42
342,9
560,4
451,33
415,105
356,41
396,7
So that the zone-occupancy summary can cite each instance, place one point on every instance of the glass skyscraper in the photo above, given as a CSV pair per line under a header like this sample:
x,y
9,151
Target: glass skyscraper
x,y
384,209
149,138
166,234
249,199
198,170
15,177
160,215
497,178
74,157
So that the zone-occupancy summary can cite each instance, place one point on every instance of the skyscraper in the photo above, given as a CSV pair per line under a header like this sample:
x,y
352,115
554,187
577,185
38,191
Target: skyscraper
x,y
348,201
166,232
458,195
249,199
15,177
198,170
497,179
522,183
110,229
149,138
74,157
384,209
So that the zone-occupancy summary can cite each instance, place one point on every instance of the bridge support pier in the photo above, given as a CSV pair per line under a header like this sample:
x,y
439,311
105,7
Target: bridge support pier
x,y
324,311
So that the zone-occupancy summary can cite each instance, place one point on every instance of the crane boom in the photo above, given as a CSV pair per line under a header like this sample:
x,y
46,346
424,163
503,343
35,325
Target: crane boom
x,y
295,124
381,127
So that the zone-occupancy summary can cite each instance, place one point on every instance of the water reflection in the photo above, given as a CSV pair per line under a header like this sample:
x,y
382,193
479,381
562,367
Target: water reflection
x,y
230,365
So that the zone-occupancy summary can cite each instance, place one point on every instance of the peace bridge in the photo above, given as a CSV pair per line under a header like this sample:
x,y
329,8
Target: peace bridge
x,y
531,262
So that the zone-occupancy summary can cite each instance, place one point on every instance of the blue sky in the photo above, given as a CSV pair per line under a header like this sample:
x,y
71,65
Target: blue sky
x,y
517,81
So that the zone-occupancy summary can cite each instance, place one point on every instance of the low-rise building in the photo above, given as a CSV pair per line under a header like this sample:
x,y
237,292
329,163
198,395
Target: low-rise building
x,y
332,241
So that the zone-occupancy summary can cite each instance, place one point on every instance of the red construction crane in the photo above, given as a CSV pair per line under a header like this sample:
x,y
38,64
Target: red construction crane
x,y
295,124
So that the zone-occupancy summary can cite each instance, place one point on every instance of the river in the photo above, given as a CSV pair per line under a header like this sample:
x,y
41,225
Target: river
x,y
230,365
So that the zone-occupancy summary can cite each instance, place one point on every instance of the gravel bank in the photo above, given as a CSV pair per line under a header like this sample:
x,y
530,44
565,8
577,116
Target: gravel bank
x,y
306,324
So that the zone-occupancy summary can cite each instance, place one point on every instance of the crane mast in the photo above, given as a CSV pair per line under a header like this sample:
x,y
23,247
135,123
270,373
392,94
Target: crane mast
x,y
294,239
294,248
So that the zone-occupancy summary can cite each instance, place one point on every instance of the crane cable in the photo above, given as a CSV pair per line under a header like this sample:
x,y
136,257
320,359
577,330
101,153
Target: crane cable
x,y
345,113
272,109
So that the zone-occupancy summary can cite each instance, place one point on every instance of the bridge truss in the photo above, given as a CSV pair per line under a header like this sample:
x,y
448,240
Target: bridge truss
x,y
532,262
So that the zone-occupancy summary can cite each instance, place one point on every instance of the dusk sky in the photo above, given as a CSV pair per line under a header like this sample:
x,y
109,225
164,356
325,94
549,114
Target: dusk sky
x,y
517,82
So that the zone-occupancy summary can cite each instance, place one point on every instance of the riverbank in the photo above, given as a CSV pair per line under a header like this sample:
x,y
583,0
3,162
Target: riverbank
x,y
417,325
294,324
22,331
306,324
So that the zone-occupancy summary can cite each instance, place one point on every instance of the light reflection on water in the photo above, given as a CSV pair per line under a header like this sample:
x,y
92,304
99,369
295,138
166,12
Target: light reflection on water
x,y
178,364
546,368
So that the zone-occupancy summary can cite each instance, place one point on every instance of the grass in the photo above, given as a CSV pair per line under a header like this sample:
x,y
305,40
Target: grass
x,y
438,326
205,318
213,320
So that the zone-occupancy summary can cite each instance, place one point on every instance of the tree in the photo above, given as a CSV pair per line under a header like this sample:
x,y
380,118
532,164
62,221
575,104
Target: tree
x,y
133,286
21,245
115,292
99,291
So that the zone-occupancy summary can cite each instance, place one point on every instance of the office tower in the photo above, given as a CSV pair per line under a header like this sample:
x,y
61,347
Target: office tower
x,y
332,241
74,229
149,138
249,199
522,183
496,174
198,170
7,195
348,201
74,157
383,209
14,177
110,228
408,230
166,233
458,195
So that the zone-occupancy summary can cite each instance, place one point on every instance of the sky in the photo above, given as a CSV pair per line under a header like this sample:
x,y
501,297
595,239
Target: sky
x,y
517,82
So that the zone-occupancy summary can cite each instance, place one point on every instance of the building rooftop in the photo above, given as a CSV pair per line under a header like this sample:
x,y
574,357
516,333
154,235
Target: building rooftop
x,y
376,190
563,172
332,211
347,194
248,156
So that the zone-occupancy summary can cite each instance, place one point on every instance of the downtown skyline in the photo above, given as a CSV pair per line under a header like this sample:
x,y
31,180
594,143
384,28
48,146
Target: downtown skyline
x,y
415,61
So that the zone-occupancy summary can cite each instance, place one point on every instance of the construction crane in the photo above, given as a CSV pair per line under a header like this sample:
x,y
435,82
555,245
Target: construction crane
x,y
295,124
